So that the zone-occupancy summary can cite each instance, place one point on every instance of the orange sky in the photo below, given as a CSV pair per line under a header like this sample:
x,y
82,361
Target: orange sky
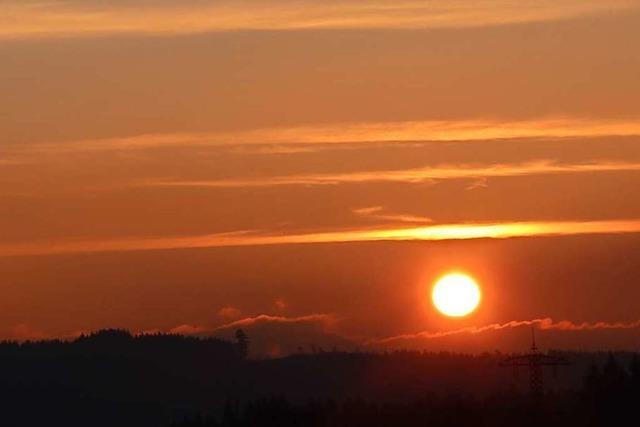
x,y
192,164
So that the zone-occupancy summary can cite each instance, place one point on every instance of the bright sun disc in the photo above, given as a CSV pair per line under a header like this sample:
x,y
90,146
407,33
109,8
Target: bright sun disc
x,y
456,294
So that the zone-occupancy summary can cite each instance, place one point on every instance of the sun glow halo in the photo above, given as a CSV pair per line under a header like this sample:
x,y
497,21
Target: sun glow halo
x,y
456,294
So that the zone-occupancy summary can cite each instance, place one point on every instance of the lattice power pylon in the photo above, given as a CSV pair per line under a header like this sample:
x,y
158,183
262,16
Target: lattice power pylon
x,y
534,361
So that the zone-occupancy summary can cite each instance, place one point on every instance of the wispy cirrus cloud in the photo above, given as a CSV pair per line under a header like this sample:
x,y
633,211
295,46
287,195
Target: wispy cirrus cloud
x,y
74,18
297,139
326,320
417,175
279,326
323,318
378,213
440,232
542,323
566,325
479,182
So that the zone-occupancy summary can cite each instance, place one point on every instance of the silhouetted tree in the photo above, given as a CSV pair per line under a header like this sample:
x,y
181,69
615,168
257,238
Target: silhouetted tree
x,y
113,378
634,371
242,343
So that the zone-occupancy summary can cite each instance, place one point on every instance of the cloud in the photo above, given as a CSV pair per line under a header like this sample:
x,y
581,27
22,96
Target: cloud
x,y
323,319
376,212
326,322
280,304
481,182
322,136
428,174
73,18
229,313
273,336
188,329
543,323
440,232
467,330
565,325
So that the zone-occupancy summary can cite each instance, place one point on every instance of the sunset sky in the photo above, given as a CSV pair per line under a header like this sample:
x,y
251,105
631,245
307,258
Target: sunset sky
x,y
307,169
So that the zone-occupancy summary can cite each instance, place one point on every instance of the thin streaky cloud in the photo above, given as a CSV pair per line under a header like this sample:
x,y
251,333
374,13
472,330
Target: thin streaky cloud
x,y
322,318
378,213
543,323
21,19
480,182
441,232
415,176
566,325
320,137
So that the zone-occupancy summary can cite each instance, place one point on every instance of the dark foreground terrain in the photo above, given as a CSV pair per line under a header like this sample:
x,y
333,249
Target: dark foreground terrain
x,y
114,379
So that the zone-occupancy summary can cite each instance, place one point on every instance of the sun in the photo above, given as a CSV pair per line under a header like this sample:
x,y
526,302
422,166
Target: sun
x,y
456,294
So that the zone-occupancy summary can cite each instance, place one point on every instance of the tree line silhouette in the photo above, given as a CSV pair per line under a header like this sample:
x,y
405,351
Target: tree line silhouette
x,y
114,378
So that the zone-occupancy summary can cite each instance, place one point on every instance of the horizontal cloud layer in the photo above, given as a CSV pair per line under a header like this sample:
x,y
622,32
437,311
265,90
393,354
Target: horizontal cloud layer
x,y
326,324
265,318
85,18
353,133
187,329
378,213
541,167
544,323
250,238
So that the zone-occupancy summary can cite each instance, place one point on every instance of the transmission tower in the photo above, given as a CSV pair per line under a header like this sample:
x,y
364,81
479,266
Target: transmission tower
x,y
534,361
